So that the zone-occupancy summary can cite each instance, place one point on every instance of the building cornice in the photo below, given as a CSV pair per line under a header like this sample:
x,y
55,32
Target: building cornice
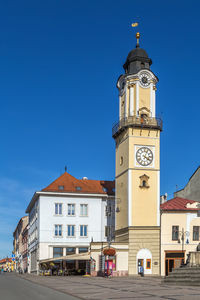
x,y
64,194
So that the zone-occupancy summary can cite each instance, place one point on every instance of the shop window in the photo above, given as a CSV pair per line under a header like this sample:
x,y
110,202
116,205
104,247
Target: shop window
x,y
148,264
70,250
57,252
83,250
175,233
195,233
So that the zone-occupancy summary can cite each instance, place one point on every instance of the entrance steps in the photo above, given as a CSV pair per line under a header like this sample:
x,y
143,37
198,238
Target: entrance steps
x,y
183,276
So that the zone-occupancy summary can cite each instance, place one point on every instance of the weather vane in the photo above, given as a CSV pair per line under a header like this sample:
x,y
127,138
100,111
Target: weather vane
x,y
137,34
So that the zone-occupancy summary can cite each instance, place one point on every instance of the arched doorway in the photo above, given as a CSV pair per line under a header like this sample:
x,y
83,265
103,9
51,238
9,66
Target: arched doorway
x,y
144,258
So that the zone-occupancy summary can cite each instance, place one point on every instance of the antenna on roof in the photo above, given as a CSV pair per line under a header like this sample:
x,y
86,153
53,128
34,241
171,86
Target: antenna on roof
x,y
65,168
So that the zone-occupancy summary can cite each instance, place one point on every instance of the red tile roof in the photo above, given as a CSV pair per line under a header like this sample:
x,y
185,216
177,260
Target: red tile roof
x,y
178,204
4,260
70,184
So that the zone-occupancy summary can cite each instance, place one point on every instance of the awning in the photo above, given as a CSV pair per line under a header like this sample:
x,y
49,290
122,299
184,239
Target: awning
x,y
81,256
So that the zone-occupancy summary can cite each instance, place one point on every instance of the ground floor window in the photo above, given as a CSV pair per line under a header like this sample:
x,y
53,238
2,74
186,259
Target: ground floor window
x,y
70,250
71,264
83,249
57,252
148,264
82,264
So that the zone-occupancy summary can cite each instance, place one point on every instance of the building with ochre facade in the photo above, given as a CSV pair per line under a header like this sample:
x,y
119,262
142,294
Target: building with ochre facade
x,y
137,137
137,175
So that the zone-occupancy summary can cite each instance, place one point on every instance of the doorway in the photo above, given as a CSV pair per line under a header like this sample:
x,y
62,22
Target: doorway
x,y
173,260
140,264
144,259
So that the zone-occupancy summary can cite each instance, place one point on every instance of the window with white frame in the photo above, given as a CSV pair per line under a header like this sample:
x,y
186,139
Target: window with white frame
x,y
58,230
71,209
83,210
83,230
71,230
58,208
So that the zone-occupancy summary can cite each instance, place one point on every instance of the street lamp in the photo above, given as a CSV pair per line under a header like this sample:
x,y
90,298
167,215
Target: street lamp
x,y
183,234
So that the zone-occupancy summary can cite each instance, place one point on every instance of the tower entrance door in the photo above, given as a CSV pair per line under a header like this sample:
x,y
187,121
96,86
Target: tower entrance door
x,y
140,264
144,259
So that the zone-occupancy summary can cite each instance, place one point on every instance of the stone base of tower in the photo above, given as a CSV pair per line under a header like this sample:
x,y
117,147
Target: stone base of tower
x,y
143,248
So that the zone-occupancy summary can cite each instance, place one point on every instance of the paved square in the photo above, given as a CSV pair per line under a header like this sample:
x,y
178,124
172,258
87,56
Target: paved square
x,y
94,288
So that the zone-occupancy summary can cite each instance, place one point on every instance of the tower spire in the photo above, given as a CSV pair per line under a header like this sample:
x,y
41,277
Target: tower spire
x,y
137,37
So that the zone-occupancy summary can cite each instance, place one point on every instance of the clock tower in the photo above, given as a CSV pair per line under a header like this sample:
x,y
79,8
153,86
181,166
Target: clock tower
x,y
137,137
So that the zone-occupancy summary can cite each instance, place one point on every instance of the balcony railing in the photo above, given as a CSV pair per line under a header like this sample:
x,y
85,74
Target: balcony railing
x,y
137,122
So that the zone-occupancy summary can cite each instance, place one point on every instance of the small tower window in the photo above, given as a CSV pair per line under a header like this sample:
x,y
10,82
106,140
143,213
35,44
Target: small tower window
x,y
144,184
121,161
144,181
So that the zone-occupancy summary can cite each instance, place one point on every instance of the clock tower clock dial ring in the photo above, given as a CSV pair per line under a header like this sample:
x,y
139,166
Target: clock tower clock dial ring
x,y
145,79
144,156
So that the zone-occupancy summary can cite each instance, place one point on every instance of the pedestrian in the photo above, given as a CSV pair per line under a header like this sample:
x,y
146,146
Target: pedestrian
x,y
141,271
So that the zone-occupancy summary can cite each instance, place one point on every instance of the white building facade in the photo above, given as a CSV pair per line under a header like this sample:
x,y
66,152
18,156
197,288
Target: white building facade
x,y
65,222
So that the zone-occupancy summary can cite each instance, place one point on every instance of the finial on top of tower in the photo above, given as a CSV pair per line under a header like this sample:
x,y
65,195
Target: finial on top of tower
x,y
65,168
137,37
137,34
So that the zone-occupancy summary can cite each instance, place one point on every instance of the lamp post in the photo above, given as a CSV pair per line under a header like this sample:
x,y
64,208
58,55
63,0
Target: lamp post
x,y
183,234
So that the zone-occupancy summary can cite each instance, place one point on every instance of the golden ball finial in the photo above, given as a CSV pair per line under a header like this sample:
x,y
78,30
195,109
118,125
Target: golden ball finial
x,y
137,35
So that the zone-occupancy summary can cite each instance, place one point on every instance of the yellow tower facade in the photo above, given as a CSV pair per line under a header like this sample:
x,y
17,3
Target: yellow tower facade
x,y
137,137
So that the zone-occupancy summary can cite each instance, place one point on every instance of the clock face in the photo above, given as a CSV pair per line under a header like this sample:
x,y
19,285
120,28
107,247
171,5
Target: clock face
x,y
145,79
144,156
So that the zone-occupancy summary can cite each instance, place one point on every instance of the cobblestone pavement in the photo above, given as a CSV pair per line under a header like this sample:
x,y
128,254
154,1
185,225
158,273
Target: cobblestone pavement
x,y
116,288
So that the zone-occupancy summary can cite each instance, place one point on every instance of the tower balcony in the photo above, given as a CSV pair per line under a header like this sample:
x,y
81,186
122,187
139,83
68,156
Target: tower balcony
x,y
140,122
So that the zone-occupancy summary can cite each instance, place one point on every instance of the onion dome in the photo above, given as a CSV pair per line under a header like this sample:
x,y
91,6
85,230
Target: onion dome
x,y
137,59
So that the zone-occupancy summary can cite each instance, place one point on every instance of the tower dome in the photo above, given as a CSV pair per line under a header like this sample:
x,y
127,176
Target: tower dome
x,y
137,59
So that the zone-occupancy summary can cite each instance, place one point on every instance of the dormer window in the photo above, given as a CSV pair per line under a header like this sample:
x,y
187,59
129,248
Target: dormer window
x,y
105,189
61,187
78,188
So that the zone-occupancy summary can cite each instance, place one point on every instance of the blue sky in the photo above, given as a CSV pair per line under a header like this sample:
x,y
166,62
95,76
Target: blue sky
x,y
59,63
